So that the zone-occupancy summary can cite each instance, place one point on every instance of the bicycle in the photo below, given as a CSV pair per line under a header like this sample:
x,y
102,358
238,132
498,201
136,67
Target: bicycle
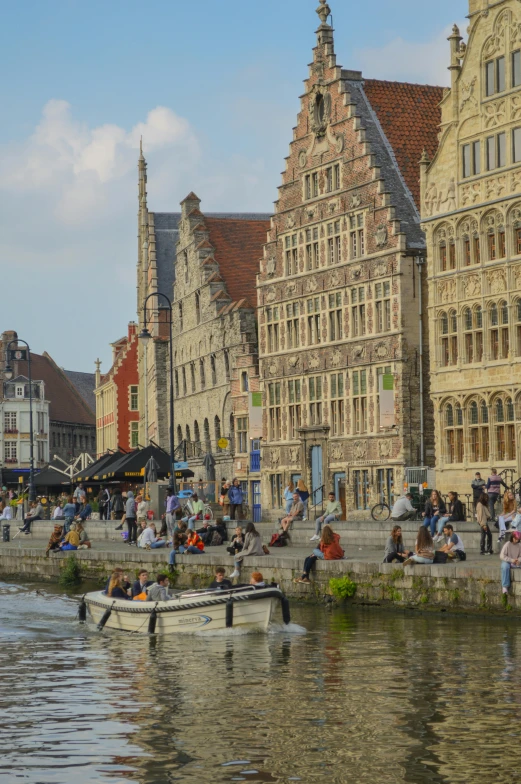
x,y
187,511
381,512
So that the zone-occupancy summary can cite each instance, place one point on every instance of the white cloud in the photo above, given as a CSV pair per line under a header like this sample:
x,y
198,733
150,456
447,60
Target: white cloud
x,y
411,61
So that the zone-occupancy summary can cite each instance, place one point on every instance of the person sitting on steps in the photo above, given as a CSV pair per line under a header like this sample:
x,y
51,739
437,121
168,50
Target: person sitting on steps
x,y
328,550
35,513
331,515
148,539
296,513
424,549
394,549
510,559
403,509
453,544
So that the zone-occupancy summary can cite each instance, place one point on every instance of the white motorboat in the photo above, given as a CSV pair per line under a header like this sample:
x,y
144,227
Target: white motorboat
x,y
247,607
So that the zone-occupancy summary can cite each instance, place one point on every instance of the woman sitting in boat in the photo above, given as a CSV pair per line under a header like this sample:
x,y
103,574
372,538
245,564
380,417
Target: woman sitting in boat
x,y
54,541
115,589
72,539
84,537
328,550
252,546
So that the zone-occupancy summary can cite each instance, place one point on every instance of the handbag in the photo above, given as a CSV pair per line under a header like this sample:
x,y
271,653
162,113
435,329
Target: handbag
x,y
265,550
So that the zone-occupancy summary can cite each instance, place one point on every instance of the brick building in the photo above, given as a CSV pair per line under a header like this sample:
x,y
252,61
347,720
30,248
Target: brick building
x,y
117,397
338,287
471,209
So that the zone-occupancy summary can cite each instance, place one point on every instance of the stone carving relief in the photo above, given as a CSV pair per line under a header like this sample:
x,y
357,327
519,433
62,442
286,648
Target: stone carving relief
x,y
431,199
356,201
340,143
382,351
515,107
380,269
271,266
381,235
356,272
337,453
311,285
294,361
271,294
494,114
336,358
360,450
275,458
497,281
467,93
515,181
440,200
291,289
358,352
319,110
336,279
470,194
447,291
272,369
385,448
495,187
472,286
517,275
333,206
310,213
302,159
294,455
314,362
290,222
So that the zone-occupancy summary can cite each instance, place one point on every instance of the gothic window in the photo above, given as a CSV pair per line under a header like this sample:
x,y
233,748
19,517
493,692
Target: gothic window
x,y
198,308
244,381
505,435
473,334
185,260
274,412
188,438
443,256
192,376
471,158
272,320
495,81
315,400
291,255
336,394
516,145
334,244
180,317
226,365
382,296
314,331
359,403
517,313
202,373
478,432
516,68
176,377
197,435
335,316
454,440
213,367
467,252
207,440
476,245
449,338
357,235
184,382
452,255
293,325
295,412
217,431
312,249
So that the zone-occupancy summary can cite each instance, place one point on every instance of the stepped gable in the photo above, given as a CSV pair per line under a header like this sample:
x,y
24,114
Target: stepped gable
x,y
238,247
410,117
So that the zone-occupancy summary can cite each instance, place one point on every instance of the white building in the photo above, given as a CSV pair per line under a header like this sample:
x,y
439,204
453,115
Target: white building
x,y
15,433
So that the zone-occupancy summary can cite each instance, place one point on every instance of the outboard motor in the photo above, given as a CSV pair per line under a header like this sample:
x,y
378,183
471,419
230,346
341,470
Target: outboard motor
x,y
286,615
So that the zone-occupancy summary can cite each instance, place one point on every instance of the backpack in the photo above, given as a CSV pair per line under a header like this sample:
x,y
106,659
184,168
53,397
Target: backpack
x,y
279,540
217,540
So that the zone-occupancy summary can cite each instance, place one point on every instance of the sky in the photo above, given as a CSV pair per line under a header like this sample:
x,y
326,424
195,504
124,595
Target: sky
x,y
212,87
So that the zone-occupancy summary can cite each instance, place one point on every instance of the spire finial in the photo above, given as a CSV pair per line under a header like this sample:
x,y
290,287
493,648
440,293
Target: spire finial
x,y
324,11
141,157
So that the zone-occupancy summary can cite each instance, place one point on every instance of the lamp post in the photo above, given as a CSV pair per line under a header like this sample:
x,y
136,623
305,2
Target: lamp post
x,y
20,355
146,336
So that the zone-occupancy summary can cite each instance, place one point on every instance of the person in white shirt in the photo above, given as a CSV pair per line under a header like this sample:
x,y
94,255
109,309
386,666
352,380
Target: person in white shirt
x,y
58,512
453,544
6,513
148,539
403,509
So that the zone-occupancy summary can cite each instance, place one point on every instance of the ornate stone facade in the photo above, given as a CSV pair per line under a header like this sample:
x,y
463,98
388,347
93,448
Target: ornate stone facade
x,y
471,208
338,286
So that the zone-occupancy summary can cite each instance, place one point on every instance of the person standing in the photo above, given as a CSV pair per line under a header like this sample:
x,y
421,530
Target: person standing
x,y
103,503
172,505
331,515
483,518
510,559
224,498
118,506
478,486
79,496
236,498
130,518
304,496
494,484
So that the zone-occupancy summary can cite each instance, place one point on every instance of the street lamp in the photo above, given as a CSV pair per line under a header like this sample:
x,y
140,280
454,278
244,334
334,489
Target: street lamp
x,y
20,355
145,336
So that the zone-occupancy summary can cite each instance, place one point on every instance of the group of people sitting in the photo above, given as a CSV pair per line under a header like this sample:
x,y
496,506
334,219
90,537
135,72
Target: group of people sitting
x,y
425,549
68,537
145,590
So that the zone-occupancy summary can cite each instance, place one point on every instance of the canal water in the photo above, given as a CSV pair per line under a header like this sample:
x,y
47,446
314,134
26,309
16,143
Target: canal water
x,y
361,696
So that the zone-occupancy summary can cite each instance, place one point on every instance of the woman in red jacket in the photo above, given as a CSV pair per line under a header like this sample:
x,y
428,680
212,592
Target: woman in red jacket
x,y
328,550
194,544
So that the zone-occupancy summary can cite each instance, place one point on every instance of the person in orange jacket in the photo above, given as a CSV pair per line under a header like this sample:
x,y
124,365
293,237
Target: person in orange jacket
x,y
194,543
328,550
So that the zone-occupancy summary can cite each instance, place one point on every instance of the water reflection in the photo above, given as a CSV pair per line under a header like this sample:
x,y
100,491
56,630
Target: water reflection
x,y
362,697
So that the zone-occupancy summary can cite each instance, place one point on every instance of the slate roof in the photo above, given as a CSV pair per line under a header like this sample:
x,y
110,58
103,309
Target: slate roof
x,y
238,247
410,116
167,234
65,402
85,383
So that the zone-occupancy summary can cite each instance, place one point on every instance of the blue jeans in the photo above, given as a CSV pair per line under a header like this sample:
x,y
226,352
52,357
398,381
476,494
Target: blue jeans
x,y
431,522
442,522
173,554
193,550
156,545
69,547
505,574
420,560
192,520
324,520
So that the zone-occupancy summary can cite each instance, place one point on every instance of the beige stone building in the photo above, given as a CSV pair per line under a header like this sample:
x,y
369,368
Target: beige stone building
x,y
338,288
471,210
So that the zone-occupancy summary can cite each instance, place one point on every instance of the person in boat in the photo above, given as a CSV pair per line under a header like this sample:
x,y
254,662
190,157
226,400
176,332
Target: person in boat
x,y
72,539
257,580
252,546
328,550
221,582
116,588
158,592
54,541
124,580
84,537
141,584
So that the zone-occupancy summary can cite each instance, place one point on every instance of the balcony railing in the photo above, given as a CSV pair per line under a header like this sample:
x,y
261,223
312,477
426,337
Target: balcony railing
x,y
11,430
255,461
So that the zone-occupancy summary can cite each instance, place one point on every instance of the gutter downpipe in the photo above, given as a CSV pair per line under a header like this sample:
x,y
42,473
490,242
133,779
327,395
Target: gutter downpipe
x,y
420,261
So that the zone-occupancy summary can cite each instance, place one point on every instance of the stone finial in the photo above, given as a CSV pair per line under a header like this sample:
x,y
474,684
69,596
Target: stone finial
x,y
141,156
455,30
425,157
98,364
324,11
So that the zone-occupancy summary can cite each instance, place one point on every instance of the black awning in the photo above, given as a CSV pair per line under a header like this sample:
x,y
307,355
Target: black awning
x,y
96,470
132,466
49,477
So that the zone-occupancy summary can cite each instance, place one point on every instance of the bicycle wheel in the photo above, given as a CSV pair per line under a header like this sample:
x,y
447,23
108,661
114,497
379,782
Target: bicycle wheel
x,y
380,512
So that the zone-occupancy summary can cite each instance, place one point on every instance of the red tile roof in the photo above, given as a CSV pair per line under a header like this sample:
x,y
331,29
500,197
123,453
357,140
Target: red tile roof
x,y
238,250
65,402
410,116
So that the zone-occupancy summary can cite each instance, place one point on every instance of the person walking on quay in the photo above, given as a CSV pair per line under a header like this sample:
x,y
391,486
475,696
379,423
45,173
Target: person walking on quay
x,y
304,496
478,486
130,518
288,496
509,511
331,515
494,484
235,496
403,509
424,553
483,518
510,559
118,506
394,549
252,546
328,550
172,505
456,514
434,509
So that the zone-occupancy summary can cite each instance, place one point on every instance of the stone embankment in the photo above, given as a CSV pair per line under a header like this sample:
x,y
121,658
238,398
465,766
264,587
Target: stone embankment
x,y
473,586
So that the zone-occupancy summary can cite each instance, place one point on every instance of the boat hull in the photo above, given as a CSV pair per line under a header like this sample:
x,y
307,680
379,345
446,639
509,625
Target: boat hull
x,y
182,615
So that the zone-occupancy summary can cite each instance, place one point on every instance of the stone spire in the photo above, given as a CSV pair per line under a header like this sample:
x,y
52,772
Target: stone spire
x,y
325,31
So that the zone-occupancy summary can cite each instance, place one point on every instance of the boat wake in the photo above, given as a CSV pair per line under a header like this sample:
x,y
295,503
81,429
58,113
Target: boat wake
x,y
240,631
286,628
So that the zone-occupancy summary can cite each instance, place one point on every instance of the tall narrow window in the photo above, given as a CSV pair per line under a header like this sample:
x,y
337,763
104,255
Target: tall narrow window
x,y
516,68
202,373
134,397
293,325
467,256
382,294
226,365
452,255
359,401
357,236
217,431
273,318
336,385
274,412
501,150
443,256
192,376
180,317
493,316
491,153
358,312
314,331
295,414
334,244
516,145
335,316
198,308
315,400
213,368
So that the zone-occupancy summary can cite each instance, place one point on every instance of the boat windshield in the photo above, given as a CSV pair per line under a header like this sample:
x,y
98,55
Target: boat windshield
x,y
220,591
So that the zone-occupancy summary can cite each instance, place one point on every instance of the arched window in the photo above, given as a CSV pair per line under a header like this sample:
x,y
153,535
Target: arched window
x,y
192,376
226,365
180,317
509,410
244,381
184,382
176,376
185,264
442,251
517,313
452,255
197,436
207,440
478,432
202,373
217,429
213,369
179,434
500,411
232,432
473,334
517,238
449,338
187,430
499,331
454,441
198,308
505,431
476,248
467,250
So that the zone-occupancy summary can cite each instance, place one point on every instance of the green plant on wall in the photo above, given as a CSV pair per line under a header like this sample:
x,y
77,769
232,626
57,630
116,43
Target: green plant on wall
x,y
70,574
342,587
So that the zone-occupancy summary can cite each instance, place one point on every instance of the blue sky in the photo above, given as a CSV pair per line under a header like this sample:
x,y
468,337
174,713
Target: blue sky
x,y
213,88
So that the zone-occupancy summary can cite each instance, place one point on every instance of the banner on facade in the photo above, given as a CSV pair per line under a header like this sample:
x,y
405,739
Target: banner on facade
x,y
255,414
386,395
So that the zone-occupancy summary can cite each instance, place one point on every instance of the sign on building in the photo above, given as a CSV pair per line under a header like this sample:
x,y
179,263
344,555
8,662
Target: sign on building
x,y
255,414
386,395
